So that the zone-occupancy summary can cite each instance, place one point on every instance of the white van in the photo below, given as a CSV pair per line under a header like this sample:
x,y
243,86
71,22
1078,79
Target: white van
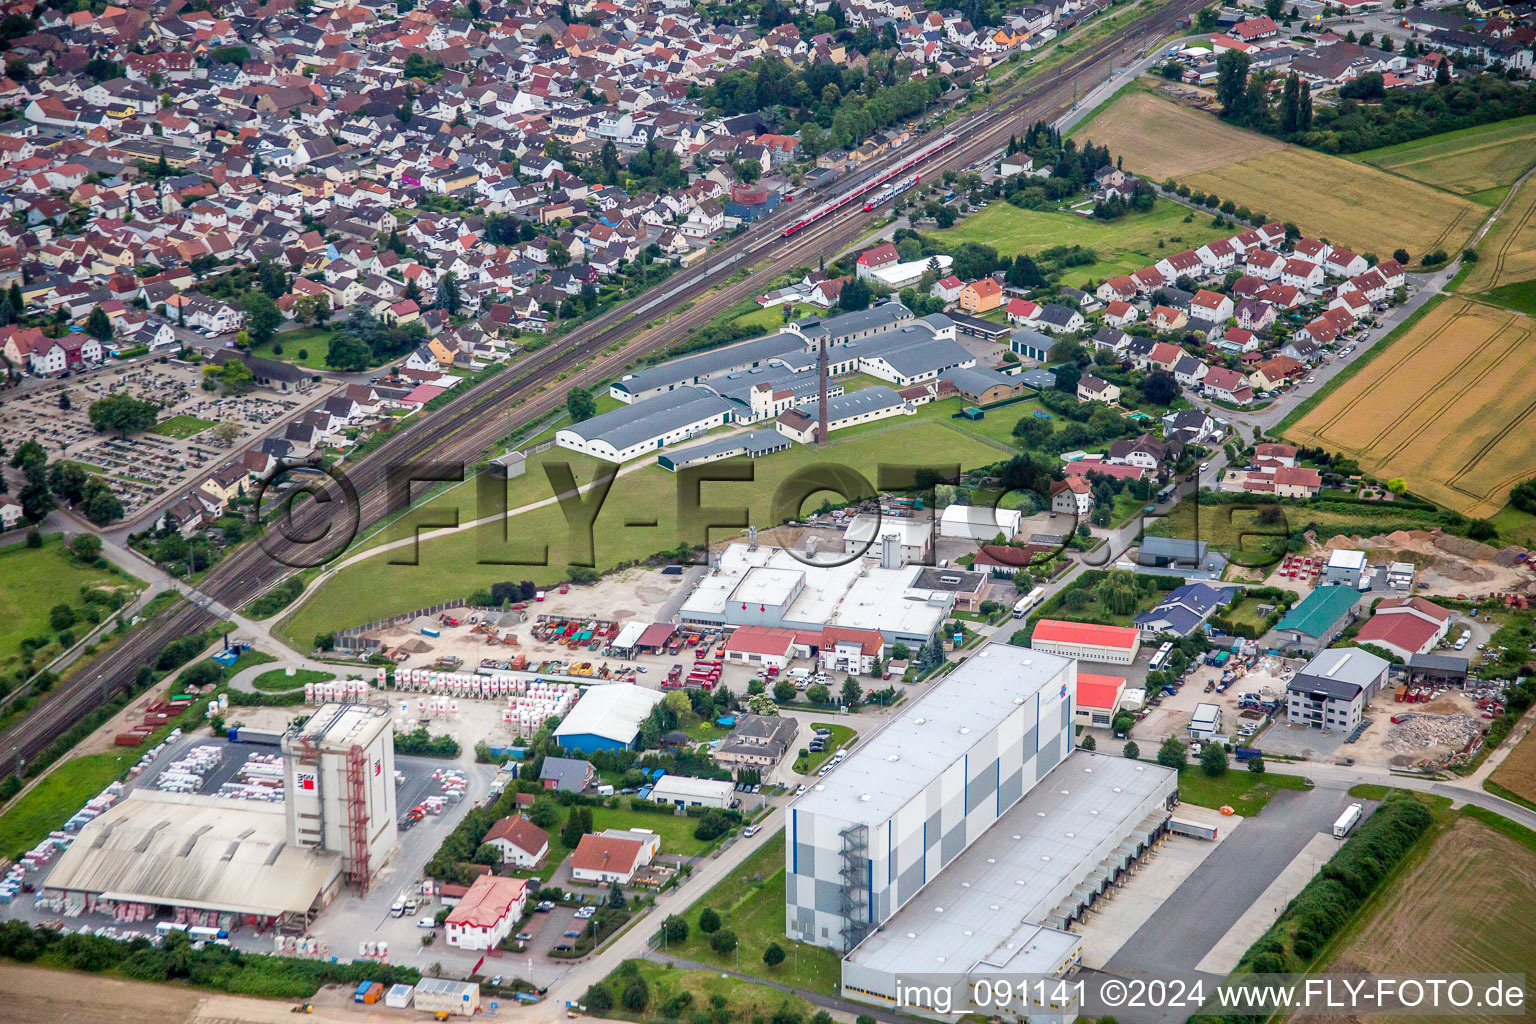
x,y
397,909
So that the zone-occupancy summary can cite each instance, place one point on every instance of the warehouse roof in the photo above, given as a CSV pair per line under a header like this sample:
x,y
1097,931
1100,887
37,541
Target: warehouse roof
x,y
838,327
1062,632
613,711
687,786
650,418
753,444
707,364
200,852
987,907
938,729
1319,610
1096,691
1339,671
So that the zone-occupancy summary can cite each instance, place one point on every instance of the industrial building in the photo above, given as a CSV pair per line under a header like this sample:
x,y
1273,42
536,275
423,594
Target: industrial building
x,y
1317,619
1086,641
758,585
1405,626
1345,566
850,410
754,444
197,860
980,523
607,717
339,772
1330,693
973,798
627,433
685,791
1098,698
913,537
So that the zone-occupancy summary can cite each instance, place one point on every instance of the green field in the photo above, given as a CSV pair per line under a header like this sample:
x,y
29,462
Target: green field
x,y
59,794
771,318
452,566
750,902
1519,296
1480,162
181,426
1124,245
32,581
315,341
713,996
1238,788
279,680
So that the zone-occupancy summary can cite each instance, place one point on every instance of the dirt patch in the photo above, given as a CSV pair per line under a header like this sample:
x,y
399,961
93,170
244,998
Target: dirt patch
x,y
35,995
1462,908
1449,566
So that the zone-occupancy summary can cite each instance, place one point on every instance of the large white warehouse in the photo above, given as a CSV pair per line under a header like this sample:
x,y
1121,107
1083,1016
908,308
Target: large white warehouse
x,y
899,815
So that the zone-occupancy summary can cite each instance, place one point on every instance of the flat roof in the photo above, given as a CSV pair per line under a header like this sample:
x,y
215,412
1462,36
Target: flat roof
x,y
866,527
687,785
611,710
343,725
988,906
201,852
768,585
1346,558
886,772
710,363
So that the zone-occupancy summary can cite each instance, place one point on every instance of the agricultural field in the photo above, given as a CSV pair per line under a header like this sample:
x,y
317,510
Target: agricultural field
x,y
1517,772
1123,245
1349,203
1480,162
1507,254
1450,406
639,519
1461,907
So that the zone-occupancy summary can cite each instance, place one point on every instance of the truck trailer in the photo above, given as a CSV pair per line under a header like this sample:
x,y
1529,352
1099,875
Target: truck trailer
x,y
1191,829
1347,821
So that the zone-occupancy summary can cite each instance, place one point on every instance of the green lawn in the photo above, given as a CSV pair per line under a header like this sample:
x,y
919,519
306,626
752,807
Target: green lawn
x,y
452,566
1238,788
1246,612
181,426
314,341
750,902
1515,526
676,830
32,581
702,991
841,737
279,680
60,794
1122,246
772,318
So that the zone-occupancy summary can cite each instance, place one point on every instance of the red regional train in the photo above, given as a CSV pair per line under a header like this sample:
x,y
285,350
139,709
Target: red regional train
x,y
889,175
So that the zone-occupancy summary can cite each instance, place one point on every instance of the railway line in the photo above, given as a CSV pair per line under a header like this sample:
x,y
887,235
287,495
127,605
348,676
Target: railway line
x,y
462,430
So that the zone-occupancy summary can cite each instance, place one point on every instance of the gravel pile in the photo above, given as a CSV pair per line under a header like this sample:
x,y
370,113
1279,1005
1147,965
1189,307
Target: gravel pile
x,y
1420,731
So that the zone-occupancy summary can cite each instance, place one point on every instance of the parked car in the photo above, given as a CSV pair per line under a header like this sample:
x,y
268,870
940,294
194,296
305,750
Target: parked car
x,y
544,907
574,933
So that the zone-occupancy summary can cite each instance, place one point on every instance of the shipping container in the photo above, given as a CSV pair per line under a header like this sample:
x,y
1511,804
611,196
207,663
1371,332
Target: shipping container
x,y
375,991
362,991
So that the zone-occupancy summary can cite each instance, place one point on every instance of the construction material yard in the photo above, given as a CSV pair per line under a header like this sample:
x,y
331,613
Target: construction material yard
x,y
1449,407
1351,204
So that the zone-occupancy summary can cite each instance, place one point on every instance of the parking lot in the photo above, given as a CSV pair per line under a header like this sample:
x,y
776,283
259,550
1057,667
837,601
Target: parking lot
x,y
148,466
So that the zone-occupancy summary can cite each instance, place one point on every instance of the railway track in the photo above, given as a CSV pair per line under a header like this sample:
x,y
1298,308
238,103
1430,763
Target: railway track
x,y
462,430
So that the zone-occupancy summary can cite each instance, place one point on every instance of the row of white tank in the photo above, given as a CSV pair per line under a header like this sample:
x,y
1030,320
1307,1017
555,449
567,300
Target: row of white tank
x,y
350,691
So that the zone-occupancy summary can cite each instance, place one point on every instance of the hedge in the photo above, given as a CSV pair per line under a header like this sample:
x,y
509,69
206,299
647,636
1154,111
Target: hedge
x,y
221,968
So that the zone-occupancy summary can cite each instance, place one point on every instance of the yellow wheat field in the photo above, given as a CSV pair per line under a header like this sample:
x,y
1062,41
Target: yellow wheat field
x,y
1507,252
1351,204
1450,407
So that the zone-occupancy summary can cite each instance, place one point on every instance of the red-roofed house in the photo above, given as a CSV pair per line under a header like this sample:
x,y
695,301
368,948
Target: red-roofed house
x,y
486,913
1262,27
1116,645
1227,385
1023,311
874,259
947,289
1072,496
1119,313
769,646
522,843
1098,698
1405,626
853,651
981,295
612,856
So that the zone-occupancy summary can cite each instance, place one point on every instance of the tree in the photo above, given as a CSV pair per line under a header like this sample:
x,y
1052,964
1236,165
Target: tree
x,y
98,325
709,921
854,296
67,480
1131,750
1067,376
272,279
598,1000
1089,743
816,693
123,413
1160,388
1256,765
580,404
1232,83
1482,529
262,317
1122,723
232,374
853,693
100,504
559,255
784,691
543,812
637,994
85,546
723,942
448,294
1173,753
773,955
616,898
675,928
1213,759
1397,485
1443,73
60,616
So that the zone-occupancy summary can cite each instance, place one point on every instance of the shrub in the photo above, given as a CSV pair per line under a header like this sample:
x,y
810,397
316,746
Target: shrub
x,y
709,921
723,941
